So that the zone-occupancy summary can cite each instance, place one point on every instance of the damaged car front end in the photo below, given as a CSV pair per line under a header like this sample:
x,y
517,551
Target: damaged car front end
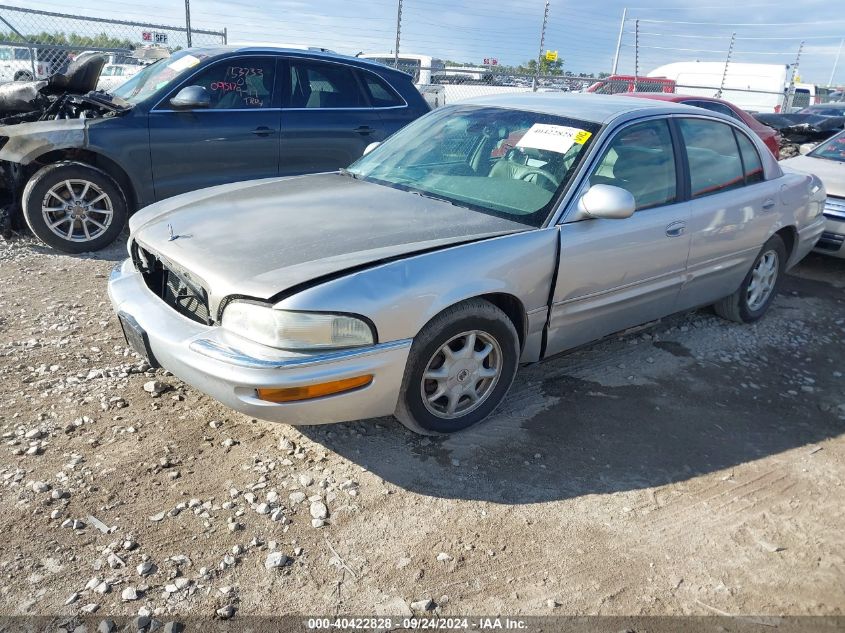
x,y
42,117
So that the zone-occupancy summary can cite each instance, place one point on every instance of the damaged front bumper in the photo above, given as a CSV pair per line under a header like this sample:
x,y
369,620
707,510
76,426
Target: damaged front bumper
x,y
231,369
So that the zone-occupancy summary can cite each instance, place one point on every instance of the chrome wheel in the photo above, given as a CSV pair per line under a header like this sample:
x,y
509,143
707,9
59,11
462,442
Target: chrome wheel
x,y
763,279
77,210
461,375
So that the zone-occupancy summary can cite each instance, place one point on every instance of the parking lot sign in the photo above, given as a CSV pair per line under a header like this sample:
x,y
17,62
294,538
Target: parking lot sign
x,y
551,56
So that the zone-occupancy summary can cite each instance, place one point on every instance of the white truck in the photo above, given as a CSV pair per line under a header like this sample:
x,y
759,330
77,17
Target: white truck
x,y
423,68
752,87
17,64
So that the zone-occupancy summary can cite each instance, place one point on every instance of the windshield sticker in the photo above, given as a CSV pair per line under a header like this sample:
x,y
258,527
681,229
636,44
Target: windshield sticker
x,y
188,61
553,138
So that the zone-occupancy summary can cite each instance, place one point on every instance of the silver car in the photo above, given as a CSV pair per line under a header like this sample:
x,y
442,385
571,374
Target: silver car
x,y
827,161
482,236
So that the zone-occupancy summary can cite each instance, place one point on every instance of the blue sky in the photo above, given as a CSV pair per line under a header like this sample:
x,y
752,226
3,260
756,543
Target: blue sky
x,y
470,30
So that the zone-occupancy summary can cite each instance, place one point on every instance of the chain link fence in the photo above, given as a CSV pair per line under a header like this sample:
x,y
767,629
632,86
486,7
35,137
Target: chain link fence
x,y
35,44
446,84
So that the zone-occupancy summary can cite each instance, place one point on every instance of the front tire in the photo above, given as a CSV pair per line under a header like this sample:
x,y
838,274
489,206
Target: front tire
x,y
459,369
74,207
753,298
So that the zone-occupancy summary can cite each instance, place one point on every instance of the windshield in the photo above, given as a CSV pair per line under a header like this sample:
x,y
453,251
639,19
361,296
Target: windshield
x,y
158,75
832,149
509,163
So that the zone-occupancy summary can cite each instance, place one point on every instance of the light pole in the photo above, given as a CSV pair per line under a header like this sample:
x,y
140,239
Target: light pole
x,y
619,41
835,63
188,21
542,44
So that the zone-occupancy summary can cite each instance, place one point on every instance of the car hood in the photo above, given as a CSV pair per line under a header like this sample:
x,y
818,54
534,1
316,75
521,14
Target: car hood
x,y
831,172
262,237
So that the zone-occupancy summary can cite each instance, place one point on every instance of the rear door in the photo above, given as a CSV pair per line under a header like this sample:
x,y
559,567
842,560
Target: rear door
x,y
733,208
236,138
615,274
327,118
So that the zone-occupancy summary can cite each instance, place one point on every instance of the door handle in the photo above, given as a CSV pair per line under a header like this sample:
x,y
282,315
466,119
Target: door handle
x,y
263,131
768,204
676,229
364,130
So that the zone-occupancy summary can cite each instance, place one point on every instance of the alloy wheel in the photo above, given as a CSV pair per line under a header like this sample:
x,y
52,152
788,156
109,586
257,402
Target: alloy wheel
x,y
77,210
461,374
763,279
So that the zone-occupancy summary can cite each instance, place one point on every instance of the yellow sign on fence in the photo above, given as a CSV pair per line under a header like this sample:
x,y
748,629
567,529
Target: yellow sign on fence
x,y
551,56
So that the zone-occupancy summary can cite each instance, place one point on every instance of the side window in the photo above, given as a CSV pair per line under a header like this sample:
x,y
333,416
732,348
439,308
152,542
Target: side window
x,y
641,159
713,156
381,94
714,107
318,85
239,83
752,165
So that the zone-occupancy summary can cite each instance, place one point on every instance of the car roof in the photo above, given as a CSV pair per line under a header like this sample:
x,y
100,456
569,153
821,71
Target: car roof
x,y
586,106
218,51
671,96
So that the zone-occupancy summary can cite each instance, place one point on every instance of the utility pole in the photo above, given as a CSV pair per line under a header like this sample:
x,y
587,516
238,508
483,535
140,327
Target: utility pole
x,y
727,61
542,45
636,52
835,63
790,93
398,33
619,41
188,21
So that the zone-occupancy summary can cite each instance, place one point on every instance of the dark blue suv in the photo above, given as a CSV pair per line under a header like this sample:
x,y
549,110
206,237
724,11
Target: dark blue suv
x,y
202,117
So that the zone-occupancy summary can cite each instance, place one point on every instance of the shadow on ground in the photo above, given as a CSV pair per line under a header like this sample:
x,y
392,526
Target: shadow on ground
x,y
558,436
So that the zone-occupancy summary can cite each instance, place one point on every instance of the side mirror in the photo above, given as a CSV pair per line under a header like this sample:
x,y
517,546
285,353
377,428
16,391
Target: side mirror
x,y
607,201
369,148
190,98
806,148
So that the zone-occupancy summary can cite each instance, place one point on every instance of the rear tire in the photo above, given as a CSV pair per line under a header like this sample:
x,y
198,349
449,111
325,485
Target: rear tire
x,y
468,354
757,291
74,207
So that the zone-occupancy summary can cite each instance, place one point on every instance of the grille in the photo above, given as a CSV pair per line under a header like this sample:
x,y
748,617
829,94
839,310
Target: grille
x,y
830,241
835,208
186,297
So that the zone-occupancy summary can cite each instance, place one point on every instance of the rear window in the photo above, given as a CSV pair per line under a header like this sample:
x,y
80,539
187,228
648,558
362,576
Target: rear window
x,y
382,95
320,85
752,166
714,161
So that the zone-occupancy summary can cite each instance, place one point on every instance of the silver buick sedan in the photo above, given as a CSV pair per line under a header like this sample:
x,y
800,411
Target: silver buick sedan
x,y
482,236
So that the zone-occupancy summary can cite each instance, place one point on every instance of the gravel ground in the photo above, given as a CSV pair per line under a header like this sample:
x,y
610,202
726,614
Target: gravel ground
x,y
692,467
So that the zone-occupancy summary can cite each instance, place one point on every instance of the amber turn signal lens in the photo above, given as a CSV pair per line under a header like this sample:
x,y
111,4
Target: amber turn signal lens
x,y
294,394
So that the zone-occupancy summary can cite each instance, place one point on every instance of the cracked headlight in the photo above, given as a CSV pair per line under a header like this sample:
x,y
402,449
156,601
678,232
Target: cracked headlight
x,y
295,330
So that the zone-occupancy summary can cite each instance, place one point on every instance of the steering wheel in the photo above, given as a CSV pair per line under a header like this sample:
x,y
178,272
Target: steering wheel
x,y
532,173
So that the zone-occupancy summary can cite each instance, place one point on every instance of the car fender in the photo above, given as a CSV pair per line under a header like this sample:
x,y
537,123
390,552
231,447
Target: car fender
x,y
27,141
400,297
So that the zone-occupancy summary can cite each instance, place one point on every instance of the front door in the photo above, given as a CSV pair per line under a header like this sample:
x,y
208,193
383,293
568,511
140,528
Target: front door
x,y
615,274
327,121
235,138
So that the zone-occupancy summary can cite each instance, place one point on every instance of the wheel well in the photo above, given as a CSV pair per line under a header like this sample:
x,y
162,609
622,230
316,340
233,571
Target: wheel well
x,y
789,236
513,309
95,160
